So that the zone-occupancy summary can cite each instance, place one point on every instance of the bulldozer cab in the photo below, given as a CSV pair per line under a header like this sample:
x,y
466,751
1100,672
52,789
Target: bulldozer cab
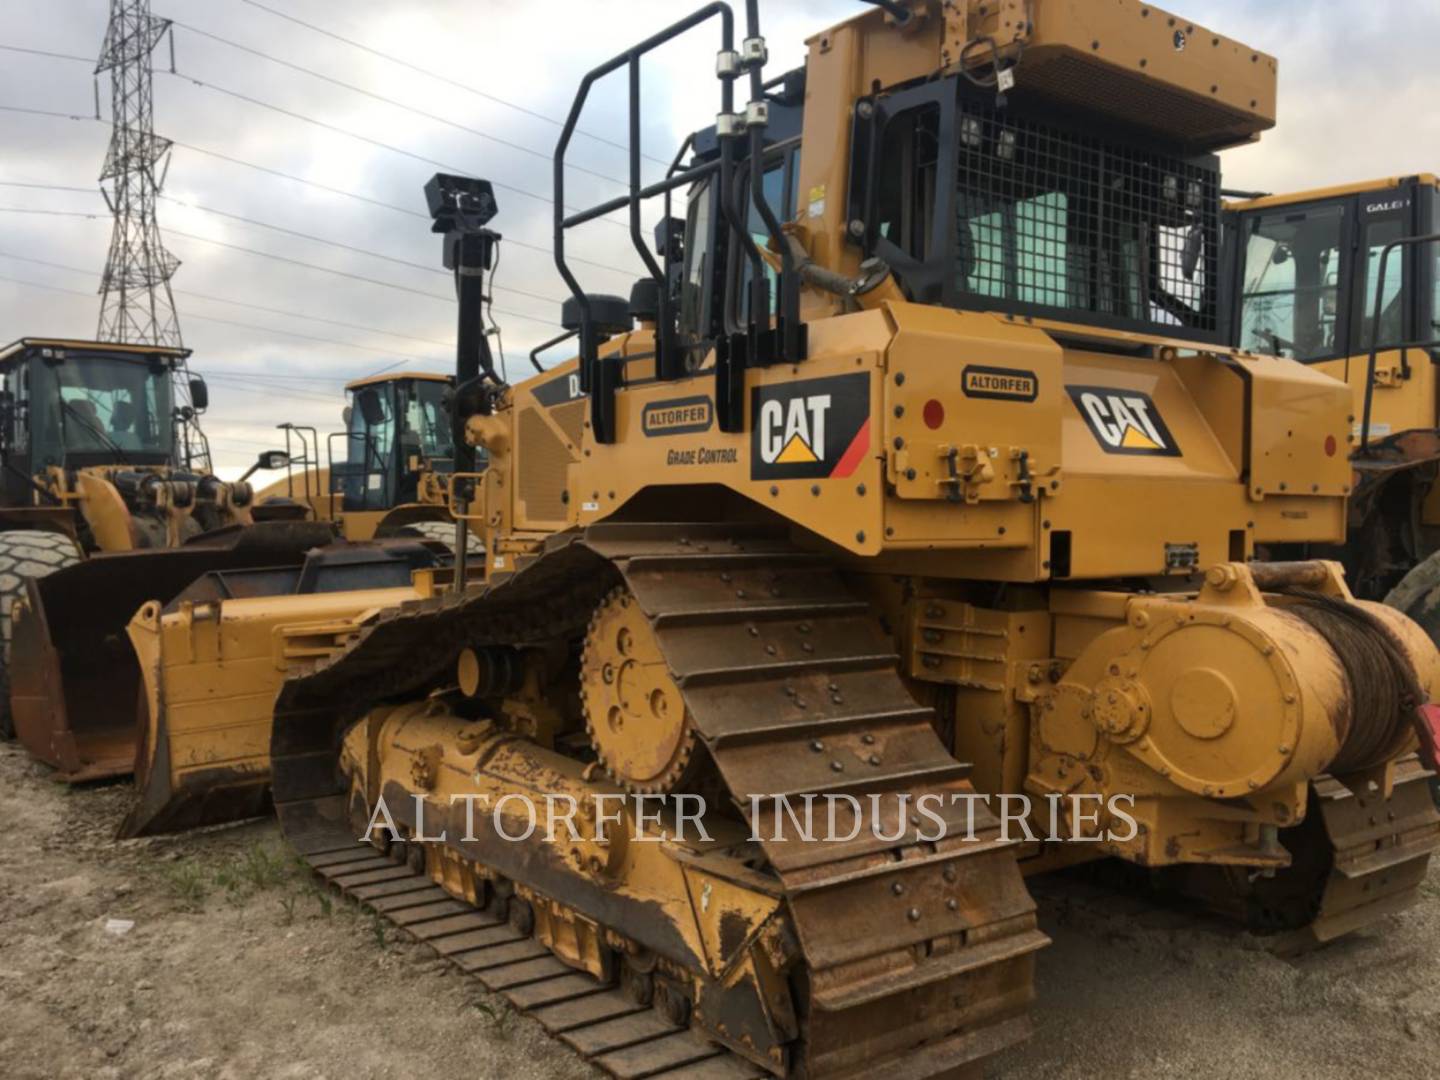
x,y
1305,274
77,404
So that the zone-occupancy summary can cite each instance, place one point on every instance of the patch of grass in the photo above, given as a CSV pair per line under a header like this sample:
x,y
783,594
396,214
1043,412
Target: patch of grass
x,y
326,902
187,881
378,930
485,1009
287,905
263,867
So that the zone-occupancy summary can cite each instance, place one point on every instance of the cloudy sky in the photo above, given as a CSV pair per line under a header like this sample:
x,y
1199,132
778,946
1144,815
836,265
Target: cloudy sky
x,y
478,88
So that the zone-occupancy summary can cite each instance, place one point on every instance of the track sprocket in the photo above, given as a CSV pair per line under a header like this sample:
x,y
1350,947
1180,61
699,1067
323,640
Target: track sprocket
x,y
635,714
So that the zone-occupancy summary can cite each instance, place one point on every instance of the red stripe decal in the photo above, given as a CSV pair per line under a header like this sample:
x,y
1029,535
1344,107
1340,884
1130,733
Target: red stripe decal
x,y
850,460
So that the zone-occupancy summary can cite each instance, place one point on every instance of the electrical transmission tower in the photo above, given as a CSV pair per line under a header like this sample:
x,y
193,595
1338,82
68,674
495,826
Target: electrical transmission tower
x,y
136,304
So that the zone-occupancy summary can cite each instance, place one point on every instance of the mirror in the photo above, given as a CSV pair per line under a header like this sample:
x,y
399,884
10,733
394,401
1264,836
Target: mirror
x,y
1194,245
371,407
965,251
199,394
345,415
670,239
268,459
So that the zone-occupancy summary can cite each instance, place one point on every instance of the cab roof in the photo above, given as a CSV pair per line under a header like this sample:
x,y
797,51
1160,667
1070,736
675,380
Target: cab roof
x,y
20,348
398,376
1338,191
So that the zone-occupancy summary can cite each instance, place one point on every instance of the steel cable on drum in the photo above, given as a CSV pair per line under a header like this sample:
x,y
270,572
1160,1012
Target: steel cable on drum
x,y
1384,689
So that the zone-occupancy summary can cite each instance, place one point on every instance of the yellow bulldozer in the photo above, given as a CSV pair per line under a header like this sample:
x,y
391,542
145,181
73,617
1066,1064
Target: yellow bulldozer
x,y
895,541
398,453
101,506
1344,279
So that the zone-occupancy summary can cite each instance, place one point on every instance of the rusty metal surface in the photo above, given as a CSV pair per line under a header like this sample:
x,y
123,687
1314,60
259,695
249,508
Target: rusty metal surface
x,y
75,681
906,944
601,1023
1359,856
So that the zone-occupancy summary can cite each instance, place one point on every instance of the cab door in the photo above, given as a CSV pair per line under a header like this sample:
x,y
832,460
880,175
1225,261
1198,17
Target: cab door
x,y
1404,396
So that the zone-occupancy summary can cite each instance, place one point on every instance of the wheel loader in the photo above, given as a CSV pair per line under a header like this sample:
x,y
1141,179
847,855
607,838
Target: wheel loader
x,y
1344,279
202,755
917,483
99,510
398,453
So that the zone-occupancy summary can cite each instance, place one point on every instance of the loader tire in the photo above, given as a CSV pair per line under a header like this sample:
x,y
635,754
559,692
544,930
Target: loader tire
x,y
1418,596
24,553
444,532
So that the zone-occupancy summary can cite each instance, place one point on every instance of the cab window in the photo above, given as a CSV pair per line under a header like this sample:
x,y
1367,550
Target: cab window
x,y
1379,234
370,450
698,265
779,180
1290,299
427,424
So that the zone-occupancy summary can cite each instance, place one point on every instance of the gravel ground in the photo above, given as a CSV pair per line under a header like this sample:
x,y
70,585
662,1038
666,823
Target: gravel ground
x,y
237,966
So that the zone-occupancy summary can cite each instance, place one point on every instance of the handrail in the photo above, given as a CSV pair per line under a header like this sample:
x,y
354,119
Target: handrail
x,y
535,352
1375,347
790,340
305,458
330,467
597,377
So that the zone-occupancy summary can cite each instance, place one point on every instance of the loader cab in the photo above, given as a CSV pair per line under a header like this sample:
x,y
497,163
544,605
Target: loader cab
x,y
1302,271
395,428
79,404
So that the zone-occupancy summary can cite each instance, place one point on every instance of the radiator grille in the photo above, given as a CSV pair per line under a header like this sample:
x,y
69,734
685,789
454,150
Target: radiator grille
x,y
543,465
571,418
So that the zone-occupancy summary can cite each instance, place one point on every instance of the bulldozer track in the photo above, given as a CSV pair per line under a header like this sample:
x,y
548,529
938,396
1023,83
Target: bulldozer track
x,y
1380,848
792,686
602,1023
1359,857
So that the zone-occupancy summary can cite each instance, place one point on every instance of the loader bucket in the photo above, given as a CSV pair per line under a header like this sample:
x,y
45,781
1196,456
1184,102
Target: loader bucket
x,y
74,681
213,659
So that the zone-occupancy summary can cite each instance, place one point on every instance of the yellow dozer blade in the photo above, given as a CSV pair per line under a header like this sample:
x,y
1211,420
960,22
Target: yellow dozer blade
x,y
212,660
74,683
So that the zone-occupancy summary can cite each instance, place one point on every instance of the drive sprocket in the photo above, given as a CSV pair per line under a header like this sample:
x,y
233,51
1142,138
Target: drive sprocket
x,y
635,714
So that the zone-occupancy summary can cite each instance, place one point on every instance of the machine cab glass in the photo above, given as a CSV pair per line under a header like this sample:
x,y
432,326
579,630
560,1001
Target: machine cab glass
x,y
394,427
97,410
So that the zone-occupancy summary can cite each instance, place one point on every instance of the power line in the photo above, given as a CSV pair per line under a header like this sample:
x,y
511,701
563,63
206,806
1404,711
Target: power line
x,y
378,143
280,174
45,52
229,322
241,303
46,187
345,274
443,78
392,101
313,318
243,384
50,213
267,255
314,266
429,269
47,112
